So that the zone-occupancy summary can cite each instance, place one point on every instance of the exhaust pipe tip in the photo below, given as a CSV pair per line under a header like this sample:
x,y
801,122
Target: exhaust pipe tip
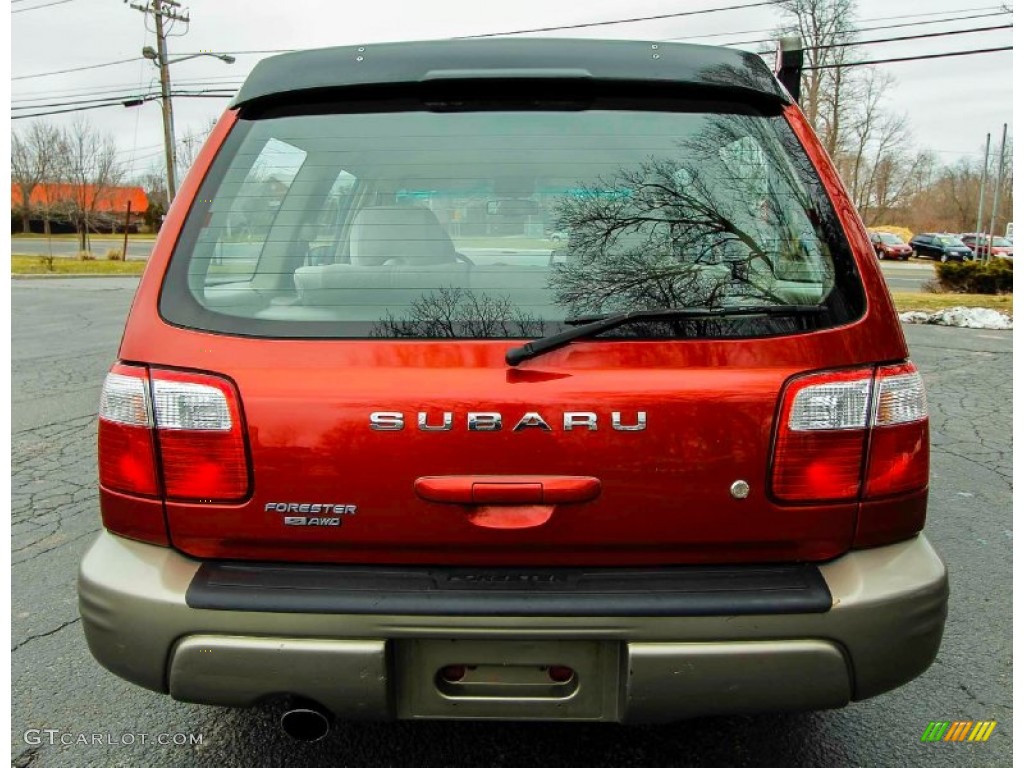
x,y
308,723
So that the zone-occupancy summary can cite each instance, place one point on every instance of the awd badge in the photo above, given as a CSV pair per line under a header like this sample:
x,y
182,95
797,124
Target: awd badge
x,y
309,514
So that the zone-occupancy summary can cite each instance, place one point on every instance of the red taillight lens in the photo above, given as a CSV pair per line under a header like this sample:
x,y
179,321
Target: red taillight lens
x,y
171,435
126,458
898,458
831,422
819,451
199,427
819,467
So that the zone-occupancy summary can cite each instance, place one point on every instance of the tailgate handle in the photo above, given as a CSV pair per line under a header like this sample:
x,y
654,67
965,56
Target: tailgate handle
x,y
507,489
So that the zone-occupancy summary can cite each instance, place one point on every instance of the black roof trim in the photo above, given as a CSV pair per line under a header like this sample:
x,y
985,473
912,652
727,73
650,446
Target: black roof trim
x,y
510,59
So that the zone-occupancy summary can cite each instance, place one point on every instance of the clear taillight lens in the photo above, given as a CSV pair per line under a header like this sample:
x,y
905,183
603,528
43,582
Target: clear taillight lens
x,y
125,399
190,406
831,405
901,397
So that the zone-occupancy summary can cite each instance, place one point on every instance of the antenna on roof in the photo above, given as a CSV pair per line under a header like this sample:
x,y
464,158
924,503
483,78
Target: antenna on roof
x,y
789,64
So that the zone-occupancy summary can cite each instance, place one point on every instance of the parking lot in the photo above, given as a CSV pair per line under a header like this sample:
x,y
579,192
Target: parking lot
x,y
65,335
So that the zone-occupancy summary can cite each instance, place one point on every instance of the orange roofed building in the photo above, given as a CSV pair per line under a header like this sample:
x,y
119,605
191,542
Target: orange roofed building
x,y
111,200
108,207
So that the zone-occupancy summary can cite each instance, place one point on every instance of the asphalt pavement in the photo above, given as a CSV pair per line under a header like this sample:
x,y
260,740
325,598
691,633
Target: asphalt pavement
x,y
907,275
64,337
900,275
68,247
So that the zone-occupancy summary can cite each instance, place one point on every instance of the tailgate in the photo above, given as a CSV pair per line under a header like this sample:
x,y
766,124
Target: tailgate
x,y
409,464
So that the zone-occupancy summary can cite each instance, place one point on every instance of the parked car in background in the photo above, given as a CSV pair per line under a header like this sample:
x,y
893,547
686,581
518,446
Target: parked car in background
x,y
889,246
929,245
980,244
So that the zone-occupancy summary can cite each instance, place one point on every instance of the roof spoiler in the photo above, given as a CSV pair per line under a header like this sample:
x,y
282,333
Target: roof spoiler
x,y
789,64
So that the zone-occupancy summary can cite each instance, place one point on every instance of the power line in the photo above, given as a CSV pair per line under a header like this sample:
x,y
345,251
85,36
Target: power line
x,y
120,97
222,92
908,37
84,101
688,37
741,6
210,94
75,69
913,58
39,7
246,53
86,92
858,30
881,27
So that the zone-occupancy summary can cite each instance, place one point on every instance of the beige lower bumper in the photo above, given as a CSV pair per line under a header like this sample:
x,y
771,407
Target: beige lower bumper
x,y
884,629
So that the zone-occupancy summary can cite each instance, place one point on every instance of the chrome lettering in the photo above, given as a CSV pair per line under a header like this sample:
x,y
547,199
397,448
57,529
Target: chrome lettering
x,y
304,508
387,421
585,419
640,426
531,419
483,422
444,426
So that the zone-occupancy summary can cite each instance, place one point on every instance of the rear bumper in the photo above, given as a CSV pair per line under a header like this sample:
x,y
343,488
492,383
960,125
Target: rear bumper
x,y
882,630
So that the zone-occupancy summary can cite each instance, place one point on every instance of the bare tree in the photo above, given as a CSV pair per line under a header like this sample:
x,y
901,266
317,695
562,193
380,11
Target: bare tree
x,y
154,182
454,312
88,165
189,145
823,25
32,163
870,144
946,199
875,159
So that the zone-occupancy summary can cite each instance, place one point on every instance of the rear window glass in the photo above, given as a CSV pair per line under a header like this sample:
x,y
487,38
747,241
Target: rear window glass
x,y
496,224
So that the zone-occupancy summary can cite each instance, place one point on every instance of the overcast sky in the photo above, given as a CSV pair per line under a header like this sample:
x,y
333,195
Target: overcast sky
x,y
949,104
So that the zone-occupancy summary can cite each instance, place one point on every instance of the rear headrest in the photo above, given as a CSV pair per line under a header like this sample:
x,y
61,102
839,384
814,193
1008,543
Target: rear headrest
x,y
399,235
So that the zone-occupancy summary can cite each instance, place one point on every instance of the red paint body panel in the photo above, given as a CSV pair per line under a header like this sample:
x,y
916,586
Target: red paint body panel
x,y
664,492
134,517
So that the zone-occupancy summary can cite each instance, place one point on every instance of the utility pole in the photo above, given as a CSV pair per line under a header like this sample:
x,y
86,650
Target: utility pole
x,y
995,195
984,180
164,9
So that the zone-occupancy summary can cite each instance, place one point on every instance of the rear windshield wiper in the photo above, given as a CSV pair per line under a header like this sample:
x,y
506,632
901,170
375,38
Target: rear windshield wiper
x,y
597,324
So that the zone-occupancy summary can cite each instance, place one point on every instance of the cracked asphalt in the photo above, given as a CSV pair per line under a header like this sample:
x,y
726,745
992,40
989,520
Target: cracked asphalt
x,y
65,336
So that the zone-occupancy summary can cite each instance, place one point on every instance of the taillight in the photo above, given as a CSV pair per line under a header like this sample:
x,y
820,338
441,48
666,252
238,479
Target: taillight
x,y
199,428
898,457
819,451
852,435
170,435
126,458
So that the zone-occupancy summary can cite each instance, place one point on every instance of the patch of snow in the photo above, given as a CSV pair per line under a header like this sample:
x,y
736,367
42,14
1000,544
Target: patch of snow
x,y
962,317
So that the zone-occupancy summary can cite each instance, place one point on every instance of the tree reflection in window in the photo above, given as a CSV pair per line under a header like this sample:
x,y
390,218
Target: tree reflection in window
x,y
725,221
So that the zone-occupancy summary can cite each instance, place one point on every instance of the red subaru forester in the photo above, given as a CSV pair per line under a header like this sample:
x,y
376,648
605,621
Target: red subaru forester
x,y
379,445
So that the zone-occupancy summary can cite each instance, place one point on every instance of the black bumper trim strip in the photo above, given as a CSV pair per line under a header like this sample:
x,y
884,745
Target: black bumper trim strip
x,y
437,591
